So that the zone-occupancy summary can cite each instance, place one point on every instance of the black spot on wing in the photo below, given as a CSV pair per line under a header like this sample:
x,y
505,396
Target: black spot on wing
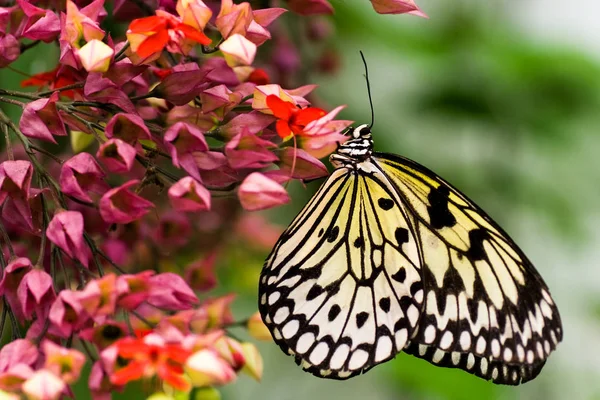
x,y
384,304
334,311
333,234
359,242
385,204
401,235
400,276
439,214
361,318
314,292
476,239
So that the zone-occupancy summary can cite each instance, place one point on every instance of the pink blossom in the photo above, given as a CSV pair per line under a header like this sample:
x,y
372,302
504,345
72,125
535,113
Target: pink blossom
x,y
41,119
194,13
294,96
248,123
43,385
95,56
246,150
200,274
64,363
397,7
99,298
66,231
207,368
120,206
189,195
82,174
136,289
19,351
257,192
38,24
12,277
257,31
105,334
298,164
238,50
67,314
36,293
81,24
233,18
103,90
254,362
5,14
310,7
15,180
257,328
13,378
323,135
10,49
218,311
118,156
181,140
128,127
169,291
219,100
181,87
231,351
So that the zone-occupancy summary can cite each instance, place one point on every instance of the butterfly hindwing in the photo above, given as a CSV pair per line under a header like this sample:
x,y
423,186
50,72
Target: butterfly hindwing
x,y
341,290
486,309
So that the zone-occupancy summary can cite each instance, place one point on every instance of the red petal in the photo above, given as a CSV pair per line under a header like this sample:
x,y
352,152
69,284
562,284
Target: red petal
x,y
194,34
283,129
281,109
153,44
148,24
132,372
259,76
173,378
307,115
40,79
129,347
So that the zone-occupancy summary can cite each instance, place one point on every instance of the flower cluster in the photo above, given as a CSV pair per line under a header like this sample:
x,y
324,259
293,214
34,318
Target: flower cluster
x,y
123,183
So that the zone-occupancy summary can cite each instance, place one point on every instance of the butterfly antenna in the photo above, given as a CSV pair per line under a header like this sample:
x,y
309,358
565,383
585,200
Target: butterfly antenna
x,y
368,90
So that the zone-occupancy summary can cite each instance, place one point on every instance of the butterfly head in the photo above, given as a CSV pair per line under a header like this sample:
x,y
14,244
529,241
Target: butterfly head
x,y
356,149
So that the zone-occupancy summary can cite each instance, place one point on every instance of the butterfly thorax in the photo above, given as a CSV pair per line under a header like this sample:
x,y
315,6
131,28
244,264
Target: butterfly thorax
x,y
355,150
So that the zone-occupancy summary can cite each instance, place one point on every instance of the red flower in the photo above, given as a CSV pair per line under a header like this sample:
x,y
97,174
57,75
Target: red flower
x,y
149,358
152,34
292,119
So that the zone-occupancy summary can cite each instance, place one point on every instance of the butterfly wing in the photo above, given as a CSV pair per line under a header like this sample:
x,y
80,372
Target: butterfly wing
x,y
486,309
341,291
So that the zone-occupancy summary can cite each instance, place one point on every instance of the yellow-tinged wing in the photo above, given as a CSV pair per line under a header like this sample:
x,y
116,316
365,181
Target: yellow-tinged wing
x,y
342,290
485,309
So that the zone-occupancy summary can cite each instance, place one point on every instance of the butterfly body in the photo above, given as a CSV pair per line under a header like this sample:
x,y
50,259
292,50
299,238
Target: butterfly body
x,y
388,257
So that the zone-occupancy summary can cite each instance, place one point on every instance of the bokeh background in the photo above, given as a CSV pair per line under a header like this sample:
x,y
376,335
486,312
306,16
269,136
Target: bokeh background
x,y
501,98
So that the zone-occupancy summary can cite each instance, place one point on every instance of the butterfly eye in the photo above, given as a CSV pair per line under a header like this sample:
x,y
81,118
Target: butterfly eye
x,y
365,131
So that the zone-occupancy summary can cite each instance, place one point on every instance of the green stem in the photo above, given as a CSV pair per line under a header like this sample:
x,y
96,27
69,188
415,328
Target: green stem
x,y
121,54
9,149
13,102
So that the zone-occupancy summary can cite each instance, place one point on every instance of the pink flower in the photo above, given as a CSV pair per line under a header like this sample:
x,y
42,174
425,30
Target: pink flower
x,y
64,363
10,49
99,298
218,311
128,127
194,13
254,362
181,140
231,351
294,96
181,87
257,328
95,56
103,90
136,289
397,7
12,277
257,192
117,155
200,274
173,231
189,195
120,206
238,50
207,368
310,7
36,293
81,174
322,136
247,123
240,19
219,100
66,231
15,182
247,150
67,314
80,25
19,351
169,291
41,120
298,164
38,24
43,385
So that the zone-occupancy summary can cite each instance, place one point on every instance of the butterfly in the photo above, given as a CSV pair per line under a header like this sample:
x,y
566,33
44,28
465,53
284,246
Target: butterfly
x,y
389,257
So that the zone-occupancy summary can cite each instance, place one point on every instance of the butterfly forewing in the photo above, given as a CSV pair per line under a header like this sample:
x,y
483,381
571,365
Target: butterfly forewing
x,y
486,309
341,290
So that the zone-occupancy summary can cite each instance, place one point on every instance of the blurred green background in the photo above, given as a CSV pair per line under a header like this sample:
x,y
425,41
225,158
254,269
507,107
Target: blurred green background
x,y
502,98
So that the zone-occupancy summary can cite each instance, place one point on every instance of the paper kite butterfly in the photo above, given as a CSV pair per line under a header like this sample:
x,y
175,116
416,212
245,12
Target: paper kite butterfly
x,y
389,257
